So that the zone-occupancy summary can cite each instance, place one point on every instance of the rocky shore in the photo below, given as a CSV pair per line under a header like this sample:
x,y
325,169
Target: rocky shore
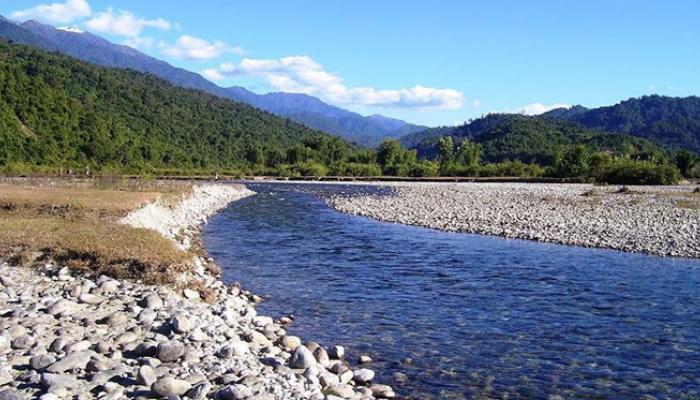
x,y
65,334
663,221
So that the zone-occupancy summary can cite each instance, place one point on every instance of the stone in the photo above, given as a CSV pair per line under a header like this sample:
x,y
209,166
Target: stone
x,y
77,360
328,379
341,390
117,318
61,307
88,298
170,351
336,352
152,301
78,346
322,356
400,377
290,342
363,376
302,358
364,359
5,377
49,380
382,391
180,323
22,342
198,391
346,376
170,386
234,349
4,343
191,294
235,392
146,376
10,394
42,361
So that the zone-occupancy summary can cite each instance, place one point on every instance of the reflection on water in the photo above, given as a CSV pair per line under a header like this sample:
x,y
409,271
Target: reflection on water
x,y
466,316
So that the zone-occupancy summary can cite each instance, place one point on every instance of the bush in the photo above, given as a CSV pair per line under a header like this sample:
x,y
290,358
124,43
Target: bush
x,y
623,171
310,169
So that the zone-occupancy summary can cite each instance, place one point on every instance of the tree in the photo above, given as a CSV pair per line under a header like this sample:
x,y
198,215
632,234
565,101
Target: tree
x,y
685,161
469,153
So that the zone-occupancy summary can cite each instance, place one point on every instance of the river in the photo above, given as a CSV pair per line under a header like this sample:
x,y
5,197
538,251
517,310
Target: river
x,y
465,316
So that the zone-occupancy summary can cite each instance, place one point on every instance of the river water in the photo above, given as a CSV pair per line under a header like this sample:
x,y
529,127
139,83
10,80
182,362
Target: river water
x,y
465,316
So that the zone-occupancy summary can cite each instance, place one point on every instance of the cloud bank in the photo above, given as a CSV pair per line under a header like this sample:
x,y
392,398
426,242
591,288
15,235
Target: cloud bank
x,y
301,74
55,13
192,48
124,23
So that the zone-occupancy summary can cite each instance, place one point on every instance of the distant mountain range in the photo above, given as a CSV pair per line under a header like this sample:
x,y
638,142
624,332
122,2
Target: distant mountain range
x,y
673,122
670,122
364,130
529,139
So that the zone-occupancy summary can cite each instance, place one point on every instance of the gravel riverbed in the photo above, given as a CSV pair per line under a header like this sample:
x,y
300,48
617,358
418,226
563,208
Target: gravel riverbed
x,y
69,335
657,220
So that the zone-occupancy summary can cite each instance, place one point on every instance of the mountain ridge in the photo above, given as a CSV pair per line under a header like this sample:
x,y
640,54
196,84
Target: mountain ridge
x,y
92,48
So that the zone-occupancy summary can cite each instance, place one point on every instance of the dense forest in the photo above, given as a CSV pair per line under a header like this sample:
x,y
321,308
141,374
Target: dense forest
x,y
59,115
672,122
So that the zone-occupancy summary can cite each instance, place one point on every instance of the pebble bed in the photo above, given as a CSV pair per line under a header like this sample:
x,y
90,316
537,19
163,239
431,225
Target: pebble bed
x,y
66,335
644,220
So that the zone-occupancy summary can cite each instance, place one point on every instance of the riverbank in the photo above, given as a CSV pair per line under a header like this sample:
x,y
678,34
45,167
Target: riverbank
x,y
659,220
70,332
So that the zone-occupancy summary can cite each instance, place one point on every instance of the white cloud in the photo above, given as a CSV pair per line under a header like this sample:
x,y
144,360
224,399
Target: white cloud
x,y
192,48
71,28
476,103
539,108
124,23
301,74
139,42
57,13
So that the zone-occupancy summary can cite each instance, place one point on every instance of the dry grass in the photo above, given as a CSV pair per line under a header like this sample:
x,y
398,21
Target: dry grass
x,y
76,225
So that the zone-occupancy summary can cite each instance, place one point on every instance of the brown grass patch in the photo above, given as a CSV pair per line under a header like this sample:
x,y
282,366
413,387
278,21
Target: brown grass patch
x,y
76,225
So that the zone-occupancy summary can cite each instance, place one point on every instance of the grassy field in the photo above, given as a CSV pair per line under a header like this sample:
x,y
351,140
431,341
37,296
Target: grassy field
x,y
76,223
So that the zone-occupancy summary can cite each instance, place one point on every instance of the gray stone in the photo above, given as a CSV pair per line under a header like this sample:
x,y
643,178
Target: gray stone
x,y
234,349
363,376
382,391
180,323
336,352
10,394
152,301
117,318
198,391
146,376
170,351
302,358
60,380
290,342
235,392
22,342
340,390
70,362
42,361
88,298
61,306
5,377
169,386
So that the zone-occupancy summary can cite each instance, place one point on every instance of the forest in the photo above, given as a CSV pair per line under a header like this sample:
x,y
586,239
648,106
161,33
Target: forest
x,y
62,116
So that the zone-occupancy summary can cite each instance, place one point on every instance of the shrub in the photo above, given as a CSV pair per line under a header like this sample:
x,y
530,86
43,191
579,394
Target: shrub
x,y
623,171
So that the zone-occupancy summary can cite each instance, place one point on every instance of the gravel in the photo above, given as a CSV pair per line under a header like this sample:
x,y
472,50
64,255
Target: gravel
x,y
66,334
645,219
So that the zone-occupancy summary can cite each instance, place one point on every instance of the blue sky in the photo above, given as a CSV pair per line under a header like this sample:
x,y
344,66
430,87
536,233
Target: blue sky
x,y
426,62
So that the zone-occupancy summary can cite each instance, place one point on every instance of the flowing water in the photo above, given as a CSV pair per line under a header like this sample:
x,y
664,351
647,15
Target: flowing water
x,y
466,316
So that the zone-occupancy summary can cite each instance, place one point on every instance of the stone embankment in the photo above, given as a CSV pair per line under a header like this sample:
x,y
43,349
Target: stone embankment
x,y
663,221
68,335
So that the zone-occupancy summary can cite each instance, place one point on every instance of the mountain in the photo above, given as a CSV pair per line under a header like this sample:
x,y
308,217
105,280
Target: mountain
x,y
525,138
311,111
673,122
57,111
